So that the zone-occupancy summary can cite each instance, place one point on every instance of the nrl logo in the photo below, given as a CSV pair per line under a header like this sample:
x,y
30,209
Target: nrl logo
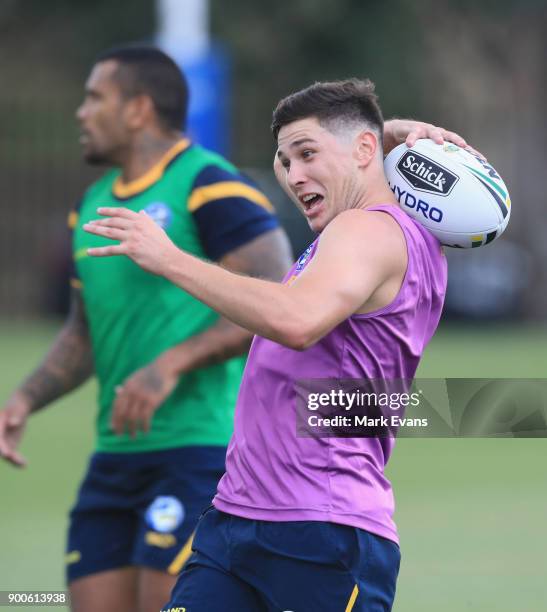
x,y
426,175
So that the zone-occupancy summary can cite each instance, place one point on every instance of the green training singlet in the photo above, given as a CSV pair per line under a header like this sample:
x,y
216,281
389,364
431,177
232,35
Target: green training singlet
x,y
134,316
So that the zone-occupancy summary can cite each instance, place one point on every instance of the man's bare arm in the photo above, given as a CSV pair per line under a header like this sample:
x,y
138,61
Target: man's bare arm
x,y
356,257
67,364
334,285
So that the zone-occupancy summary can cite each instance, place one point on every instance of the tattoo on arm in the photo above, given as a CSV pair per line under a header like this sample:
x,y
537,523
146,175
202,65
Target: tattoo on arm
x,y
67,364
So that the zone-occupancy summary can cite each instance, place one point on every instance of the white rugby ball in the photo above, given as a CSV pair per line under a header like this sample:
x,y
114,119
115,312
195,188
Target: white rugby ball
x,y
456,195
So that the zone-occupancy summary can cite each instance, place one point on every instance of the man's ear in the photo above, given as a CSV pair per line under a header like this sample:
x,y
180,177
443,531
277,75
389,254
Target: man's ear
x,y
366,147
278,169
139,110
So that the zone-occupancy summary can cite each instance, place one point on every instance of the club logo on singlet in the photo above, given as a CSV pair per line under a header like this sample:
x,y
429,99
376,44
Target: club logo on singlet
x,y
303,259
160,213
165,514
426,175
300,264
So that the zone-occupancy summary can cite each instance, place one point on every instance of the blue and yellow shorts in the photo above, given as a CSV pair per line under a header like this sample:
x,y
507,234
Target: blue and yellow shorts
x,y
141,509
242,565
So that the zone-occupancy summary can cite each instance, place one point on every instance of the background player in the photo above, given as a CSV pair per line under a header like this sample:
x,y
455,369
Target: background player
x,y
307,523
167,383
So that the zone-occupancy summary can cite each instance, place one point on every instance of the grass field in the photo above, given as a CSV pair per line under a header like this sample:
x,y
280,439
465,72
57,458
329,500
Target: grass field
x,y
471,513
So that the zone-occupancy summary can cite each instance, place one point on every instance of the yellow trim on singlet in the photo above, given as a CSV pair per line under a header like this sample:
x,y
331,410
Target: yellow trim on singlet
x,y
227,189
127,190
181,558
352,599
72,219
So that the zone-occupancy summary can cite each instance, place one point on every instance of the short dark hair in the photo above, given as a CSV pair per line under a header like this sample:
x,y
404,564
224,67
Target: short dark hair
x,y
332,103
147,70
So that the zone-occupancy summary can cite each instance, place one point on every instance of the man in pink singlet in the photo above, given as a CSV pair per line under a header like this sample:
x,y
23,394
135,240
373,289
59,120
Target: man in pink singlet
x,y
306,523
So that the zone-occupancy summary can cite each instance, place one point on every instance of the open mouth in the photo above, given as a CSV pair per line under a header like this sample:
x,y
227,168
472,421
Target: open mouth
x,y
310,200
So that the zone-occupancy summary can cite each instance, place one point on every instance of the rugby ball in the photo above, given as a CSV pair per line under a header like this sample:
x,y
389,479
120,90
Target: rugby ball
x,y
455,194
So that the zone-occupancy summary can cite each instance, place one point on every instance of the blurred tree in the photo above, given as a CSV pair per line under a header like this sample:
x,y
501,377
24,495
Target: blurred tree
x,y
280,47
488,68
76,29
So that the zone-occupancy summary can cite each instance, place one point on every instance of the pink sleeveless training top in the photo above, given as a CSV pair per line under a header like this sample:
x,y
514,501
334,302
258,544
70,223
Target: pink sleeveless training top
x,y
273,475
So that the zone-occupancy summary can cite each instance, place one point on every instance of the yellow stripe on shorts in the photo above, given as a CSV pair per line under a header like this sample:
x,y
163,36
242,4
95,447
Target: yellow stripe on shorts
x,y
181,558
352,599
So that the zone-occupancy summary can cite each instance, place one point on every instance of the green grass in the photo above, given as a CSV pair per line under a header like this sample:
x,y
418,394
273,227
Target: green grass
x,y
471,513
